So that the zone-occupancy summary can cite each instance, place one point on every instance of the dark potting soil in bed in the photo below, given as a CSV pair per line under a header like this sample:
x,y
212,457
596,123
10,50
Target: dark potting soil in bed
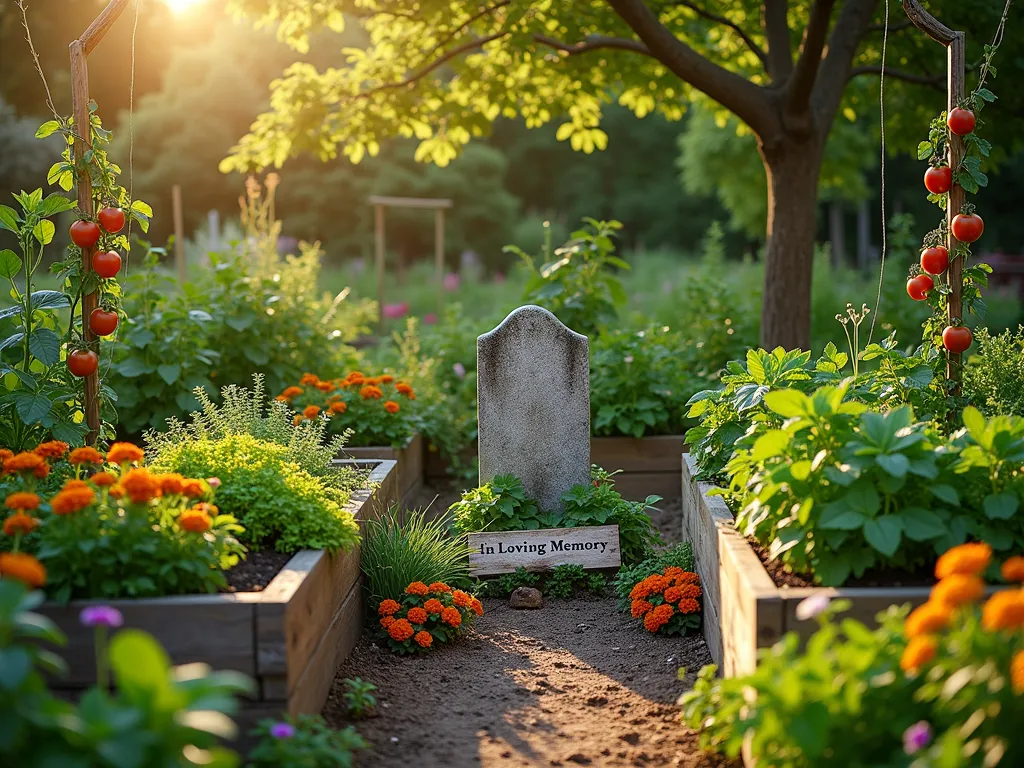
x,y
573,683
255,572
874,578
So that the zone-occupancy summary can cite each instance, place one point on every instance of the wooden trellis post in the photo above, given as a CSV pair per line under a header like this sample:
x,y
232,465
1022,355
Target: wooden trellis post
x,y
80,50
956,44
439,205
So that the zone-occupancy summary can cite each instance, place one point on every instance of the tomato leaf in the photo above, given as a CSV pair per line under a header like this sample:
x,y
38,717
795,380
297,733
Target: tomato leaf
x,y
924,150
45,345
10,263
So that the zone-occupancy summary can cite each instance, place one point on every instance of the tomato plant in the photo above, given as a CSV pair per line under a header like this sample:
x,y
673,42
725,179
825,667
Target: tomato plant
x,y
103,322
111,219
961,121
85,234
938,179
935,260
919,286
83,362
967,227
957,338
106,264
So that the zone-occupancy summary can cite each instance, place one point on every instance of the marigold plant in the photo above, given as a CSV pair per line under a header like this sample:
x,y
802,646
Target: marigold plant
x,y
667,602
378,410
426,616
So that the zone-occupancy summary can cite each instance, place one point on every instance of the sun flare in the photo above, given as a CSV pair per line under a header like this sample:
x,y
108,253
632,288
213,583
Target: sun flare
x,y
182,6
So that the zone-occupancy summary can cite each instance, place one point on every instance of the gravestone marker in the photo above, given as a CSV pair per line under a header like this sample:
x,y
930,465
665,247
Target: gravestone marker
x,y
534,404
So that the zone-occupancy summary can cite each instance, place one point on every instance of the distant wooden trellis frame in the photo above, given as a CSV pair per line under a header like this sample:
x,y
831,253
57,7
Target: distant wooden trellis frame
x,y
438,205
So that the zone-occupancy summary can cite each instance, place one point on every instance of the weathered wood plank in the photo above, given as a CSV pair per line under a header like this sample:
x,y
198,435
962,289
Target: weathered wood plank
x,y
637,486
503,552
659,453
409,459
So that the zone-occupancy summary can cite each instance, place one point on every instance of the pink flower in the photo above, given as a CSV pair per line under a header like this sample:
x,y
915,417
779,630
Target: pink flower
x,y
811,607
101,616
459,369
213,482
430,318
917,737
396,311
451,281
282,730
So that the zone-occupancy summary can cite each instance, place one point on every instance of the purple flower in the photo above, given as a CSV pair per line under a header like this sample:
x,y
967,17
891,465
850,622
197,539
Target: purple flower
x,y
451,281
213,482
917,737
811,607
459,369
101,616
282,730
430,318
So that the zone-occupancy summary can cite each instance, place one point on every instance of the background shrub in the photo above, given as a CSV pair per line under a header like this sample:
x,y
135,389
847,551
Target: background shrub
x,y
994,376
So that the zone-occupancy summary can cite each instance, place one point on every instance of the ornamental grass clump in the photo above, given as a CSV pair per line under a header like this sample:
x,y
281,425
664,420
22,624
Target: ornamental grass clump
x,y
115,529
943,685
425,616
372,410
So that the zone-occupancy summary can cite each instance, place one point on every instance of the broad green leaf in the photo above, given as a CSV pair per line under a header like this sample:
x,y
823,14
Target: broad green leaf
x,y
45,345
169,372
770,444
1001,506
837,516
896,464
10,263
47,129
975,423
49,300
883,533
945,492
31,407
133,366
788,402
12,340
921,524
8,219
140,664
44,231
924,150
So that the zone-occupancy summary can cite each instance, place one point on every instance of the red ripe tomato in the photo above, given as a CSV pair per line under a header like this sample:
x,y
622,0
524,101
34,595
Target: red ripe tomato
x,y
106,263
84,234
111,219
102,321
957,338
83,362
918,287
967,227
938,180
935,260
961,121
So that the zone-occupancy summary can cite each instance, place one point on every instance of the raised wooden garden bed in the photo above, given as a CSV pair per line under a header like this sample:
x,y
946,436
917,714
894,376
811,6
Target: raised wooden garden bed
x,y
650,465
743,608
408,460
289,638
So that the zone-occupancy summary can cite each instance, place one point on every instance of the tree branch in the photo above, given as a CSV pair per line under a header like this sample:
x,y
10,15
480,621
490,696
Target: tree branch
x,y
753,46
594,43
935,81
776,30
849,29
749,102
802,83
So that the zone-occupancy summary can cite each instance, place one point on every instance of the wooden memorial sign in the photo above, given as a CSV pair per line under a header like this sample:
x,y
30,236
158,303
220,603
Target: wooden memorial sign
x,y
495,553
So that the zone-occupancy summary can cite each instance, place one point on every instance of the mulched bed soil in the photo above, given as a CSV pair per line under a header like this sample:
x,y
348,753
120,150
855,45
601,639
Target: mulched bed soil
x,y
255,572
573,683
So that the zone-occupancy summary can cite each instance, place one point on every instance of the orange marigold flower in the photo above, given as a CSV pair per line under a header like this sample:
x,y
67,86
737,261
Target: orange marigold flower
x,y
22,500
687,577
309,378
1013,569
417,616
21,523
673,572
54,449
658,583
689,590
23,568
640,608
373,381
926,619
116,491
640,590
194,489
403,388
401,630
688,605
24,462
5,454
125,453
324,386
171,484
1017,672
388,608
417,588
918,652
387,621
196,520
968,559
958,589
672,595
439,587
140,485
311,411
423,639
387,378
461,599
371,392
297,419
291,392
658,618
103,479
451,616
85,455
281,399
477,607
73,500
338,406
391,406
433,605
72,484
354,378
1004,611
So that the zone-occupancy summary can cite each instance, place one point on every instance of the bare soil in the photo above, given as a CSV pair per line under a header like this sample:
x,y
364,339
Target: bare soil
x,y
255,572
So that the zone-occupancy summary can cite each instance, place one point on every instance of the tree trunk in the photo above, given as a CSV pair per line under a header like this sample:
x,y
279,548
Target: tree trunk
x,y
793,169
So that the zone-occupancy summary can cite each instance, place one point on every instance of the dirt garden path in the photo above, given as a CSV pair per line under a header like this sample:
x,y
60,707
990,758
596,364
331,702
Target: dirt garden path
x,y
573,683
